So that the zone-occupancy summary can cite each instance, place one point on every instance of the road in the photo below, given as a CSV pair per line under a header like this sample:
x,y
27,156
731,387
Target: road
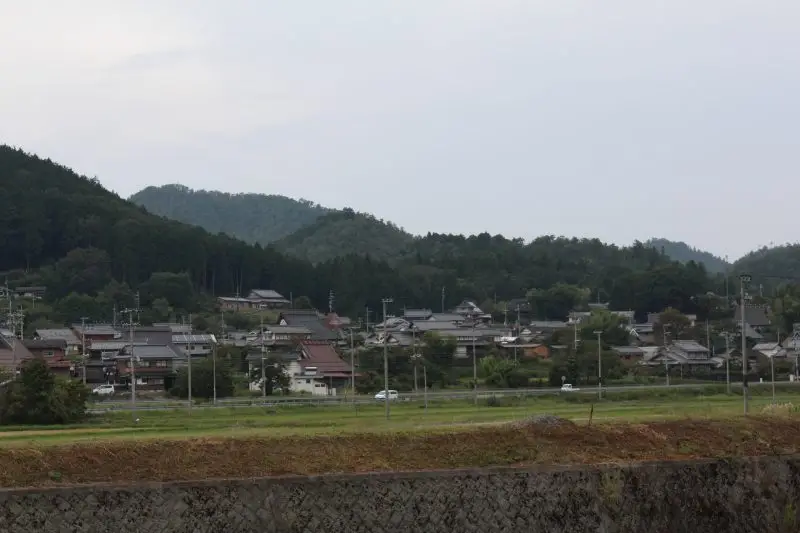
x,y
106,406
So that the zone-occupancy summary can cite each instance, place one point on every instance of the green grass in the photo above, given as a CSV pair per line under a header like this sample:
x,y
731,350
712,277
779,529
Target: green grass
x,y
440,416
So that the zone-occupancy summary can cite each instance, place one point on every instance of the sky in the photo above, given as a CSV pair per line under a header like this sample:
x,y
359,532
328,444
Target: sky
x,y
619,119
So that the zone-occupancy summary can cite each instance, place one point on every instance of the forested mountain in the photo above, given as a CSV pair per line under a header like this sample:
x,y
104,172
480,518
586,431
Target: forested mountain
x,y
254,218
86,244
680,251
342,233
772,266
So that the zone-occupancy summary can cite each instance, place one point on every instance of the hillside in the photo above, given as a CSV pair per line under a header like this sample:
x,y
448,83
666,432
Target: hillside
x,y
92,249
772,265
680,251
253,218
345,232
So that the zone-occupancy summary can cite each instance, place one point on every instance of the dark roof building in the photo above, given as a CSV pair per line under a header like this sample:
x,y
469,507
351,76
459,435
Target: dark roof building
x,y
310,319
754,315
323,357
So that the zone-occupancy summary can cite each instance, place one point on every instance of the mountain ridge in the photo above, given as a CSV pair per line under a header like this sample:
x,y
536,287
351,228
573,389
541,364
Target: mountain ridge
x,y
319,233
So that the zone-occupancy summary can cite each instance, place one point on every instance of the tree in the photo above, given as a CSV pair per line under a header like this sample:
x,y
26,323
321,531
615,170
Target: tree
x,y
676,324
176,289
275,377
303,302
37,397
203,380
503,373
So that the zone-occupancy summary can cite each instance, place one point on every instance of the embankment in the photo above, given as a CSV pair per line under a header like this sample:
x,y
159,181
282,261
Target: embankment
x,y
742,495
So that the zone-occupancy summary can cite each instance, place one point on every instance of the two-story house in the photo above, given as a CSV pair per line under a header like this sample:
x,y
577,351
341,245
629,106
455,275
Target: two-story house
x,y
154,365
318,370
66,334
54,352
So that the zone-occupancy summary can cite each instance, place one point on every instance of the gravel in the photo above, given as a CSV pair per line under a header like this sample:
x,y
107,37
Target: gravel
x,y
544,420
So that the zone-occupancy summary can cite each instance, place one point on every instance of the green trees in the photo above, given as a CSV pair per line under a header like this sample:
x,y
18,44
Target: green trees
x,y
203,374
37,397
275,378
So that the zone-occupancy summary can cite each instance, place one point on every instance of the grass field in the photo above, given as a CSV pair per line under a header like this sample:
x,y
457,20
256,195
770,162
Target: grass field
x,y
248,442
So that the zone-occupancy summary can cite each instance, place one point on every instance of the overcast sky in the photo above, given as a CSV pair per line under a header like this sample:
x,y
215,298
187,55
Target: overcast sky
x,y
617,119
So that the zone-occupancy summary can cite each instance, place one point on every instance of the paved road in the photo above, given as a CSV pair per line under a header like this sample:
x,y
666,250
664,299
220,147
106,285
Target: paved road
x,y
274,401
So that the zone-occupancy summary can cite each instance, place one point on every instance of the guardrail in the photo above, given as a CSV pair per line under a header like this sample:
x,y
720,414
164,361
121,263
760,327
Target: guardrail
x,y
287,401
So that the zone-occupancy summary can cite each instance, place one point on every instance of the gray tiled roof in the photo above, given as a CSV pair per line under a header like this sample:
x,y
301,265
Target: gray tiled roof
x,y
60,333
193,339
151,351
754,315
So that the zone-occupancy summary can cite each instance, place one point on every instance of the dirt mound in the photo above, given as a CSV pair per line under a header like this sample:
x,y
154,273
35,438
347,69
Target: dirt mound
x,y
543,420
561,443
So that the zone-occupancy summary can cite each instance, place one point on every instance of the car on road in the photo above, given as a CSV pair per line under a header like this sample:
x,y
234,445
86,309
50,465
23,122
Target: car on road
x,y
566,387
393,395
104,390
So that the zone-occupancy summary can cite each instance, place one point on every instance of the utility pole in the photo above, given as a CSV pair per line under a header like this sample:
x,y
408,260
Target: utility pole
x,y
366,325
214,367
17,319
743,279
474,367
189,361
83,347
728,360
414,353
443,293
132,313
352,365
263,373
385,301
599,364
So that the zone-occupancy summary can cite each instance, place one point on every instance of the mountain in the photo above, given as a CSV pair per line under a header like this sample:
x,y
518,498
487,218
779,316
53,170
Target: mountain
x,y
772,266
91,248
254,218
342,233
680,251
66,231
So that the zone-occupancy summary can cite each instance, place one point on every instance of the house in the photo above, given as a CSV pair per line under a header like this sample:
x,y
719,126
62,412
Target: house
x,y
412,315
628,352
30,292
754,315
65,334
468,308
318,370
54,352
452,318
233,303
267,299
194,345
529,350
643,334
101,363
174,327
335,322
12,353
279,336
95,332
479,339
424,326
770,349
392,338
155,365
680,352
310,319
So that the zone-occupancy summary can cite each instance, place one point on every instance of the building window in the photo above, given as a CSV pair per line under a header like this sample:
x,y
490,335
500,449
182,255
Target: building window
x,y
162,364
49,353
308,381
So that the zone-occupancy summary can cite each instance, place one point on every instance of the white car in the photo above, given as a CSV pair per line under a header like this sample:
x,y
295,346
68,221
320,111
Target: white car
x,y
566,387
382,395
104,390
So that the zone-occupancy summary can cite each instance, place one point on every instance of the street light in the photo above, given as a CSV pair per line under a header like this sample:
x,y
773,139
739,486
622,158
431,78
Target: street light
x,y
599,364
743,279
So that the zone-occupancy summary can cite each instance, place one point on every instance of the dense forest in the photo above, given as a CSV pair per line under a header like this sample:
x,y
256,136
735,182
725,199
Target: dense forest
x,y
680,251
69,233
342,233
253,218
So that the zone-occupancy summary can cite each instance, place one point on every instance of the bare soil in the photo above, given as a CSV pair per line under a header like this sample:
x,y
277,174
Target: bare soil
x,y
131,461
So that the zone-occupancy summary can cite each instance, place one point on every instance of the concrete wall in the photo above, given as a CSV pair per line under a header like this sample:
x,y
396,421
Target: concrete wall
x,y
756,495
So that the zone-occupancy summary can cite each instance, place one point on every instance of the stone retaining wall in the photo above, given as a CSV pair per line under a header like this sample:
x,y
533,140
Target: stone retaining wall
x,y
744,495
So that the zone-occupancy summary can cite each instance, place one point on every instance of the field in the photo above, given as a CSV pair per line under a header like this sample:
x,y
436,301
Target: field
x,y
247,442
